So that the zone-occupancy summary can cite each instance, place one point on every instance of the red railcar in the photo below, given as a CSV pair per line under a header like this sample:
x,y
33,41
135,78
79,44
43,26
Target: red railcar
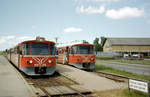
x,y
78,54
34,57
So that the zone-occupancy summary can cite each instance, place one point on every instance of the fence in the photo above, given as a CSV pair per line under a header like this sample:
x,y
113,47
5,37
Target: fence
x,y
107,54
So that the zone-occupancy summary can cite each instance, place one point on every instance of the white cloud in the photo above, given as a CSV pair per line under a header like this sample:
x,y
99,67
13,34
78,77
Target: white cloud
x,y
125,12
105,0
101,1
148,21
5,39
73,29
91,10
33,27
7,42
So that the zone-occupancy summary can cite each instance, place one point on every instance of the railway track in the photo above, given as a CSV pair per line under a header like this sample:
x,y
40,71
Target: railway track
x,y
77,92
112,76
57,86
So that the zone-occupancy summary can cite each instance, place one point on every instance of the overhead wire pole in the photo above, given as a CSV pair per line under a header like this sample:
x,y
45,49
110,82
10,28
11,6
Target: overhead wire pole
x,y
56,40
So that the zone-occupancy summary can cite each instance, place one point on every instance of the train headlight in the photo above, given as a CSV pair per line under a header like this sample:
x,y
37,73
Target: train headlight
x,y
50,61
78,59
30,61
92,59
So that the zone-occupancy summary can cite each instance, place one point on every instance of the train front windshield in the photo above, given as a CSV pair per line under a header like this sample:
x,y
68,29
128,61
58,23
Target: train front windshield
x,y
82,49
38,49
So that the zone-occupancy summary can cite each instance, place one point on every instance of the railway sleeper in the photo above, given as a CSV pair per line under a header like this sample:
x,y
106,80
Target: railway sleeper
x,y
59,91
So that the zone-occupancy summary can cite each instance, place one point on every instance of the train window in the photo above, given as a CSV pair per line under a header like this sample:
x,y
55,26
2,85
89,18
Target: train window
x,y
75,50
91,50
39,49
63,50
26,49
56,51
59,50
68,50
52,49
86,49
18,50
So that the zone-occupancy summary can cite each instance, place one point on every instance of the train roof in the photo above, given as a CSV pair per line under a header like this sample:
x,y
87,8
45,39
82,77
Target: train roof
x,y
74,43
35,41
38,40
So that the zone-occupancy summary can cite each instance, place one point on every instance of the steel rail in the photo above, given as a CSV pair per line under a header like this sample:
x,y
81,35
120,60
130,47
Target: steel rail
x,y
78,92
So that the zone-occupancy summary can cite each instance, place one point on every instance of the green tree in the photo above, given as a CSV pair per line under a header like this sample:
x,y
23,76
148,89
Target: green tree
x,y
102,42
97,45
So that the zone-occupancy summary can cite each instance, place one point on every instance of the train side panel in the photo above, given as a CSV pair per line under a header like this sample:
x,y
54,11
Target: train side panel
x,y
14,58
78,60
82,61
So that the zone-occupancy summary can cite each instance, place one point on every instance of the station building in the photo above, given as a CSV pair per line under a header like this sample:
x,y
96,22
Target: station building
x,y
127,45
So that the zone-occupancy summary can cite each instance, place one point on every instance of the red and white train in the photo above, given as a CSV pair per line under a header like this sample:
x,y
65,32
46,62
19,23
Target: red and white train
x,y
79,54
34,57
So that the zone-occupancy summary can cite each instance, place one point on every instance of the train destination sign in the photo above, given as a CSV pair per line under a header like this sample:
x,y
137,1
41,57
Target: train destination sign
x,y
139,85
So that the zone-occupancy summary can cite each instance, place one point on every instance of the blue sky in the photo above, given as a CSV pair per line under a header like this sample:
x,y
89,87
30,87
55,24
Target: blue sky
x,y
72,19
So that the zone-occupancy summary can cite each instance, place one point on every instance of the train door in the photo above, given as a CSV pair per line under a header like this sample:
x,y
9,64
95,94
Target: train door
x,y
65,55
10,54
18,53
59,59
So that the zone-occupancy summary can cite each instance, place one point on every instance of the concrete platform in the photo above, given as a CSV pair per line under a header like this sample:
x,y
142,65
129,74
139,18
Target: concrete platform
x,y
89,80
11,82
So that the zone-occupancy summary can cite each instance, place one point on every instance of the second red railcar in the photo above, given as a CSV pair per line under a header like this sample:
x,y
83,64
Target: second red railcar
x,y
78,54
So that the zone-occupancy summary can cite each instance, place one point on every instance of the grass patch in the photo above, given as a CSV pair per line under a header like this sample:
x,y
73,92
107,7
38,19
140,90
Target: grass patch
x,y
121,93
144,62
121,72
115,59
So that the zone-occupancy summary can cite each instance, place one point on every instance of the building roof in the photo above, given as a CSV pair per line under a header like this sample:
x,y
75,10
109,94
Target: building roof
x,y
129,41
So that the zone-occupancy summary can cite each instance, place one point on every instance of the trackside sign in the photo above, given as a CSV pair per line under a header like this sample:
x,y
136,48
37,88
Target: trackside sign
x,y
140,86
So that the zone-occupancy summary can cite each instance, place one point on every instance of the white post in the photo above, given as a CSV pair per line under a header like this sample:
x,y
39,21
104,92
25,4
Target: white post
x,y
149,89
